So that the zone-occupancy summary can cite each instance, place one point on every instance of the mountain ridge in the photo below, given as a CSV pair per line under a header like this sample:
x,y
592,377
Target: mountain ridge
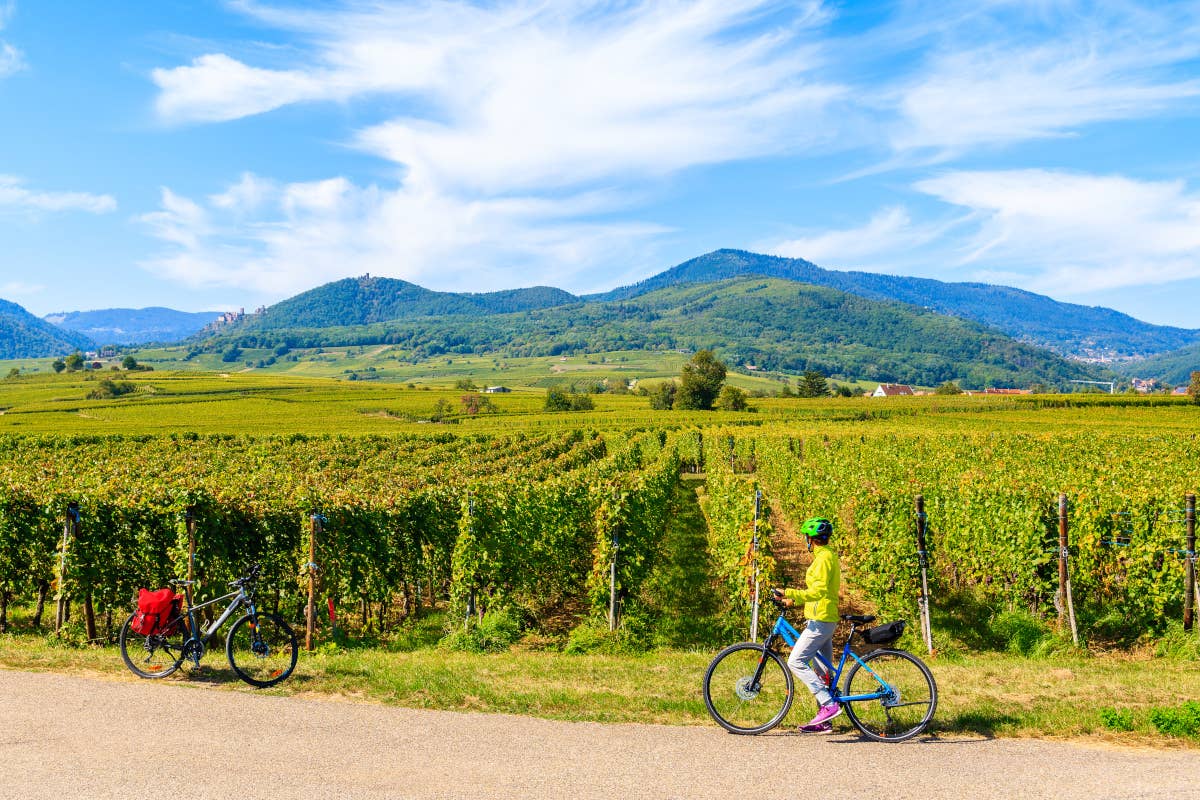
x,y
24,335
134,326
1067,328
774,324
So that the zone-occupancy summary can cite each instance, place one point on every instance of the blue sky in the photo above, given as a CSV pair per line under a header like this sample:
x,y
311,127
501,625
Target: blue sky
x,y
204,155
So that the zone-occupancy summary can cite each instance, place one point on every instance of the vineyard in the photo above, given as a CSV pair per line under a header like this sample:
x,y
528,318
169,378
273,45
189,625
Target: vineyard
x,y
565,521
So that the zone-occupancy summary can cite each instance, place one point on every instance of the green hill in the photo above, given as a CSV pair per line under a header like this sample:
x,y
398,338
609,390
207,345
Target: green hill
x,y
769,323
1066,328
1174,368
22,335
367,300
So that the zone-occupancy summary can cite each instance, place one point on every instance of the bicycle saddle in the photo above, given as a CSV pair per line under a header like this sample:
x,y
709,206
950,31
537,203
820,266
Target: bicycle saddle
x,y
862,618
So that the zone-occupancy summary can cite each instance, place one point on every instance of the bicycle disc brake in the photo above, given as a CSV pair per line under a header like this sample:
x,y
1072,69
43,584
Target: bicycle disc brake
x,y
745,688
891,699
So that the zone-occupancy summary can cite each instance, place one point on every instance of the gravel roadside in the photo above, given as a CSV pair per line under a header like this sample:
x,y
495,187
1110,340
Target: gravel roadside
x,y
65,736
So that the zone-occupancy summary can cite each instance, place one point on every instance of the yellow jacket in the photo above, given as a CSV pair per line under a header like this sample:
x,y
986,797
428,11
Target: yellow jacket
x,y
821,585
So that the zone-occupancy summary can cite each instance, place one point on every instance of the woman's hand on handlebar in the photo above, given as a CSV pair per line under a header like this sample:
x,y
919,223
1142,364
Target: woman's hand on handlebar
x,y
778,597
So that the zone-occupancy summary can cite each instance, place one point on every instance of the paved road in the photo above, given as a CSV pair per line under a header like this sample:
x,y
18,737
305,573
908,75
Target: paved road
x,y
66,737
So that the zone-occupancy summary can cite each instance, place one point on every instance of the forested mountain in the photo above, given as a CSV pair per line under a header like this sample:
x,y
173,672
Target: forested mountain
x,y
366,300
134,325
1066,328
770,323
22,335
1174,368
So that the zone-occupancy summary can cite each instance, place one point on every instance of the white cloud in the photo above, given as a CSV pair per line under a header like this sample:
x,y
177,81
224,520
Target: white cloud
x,y
888,240
21,289
292,237
1012,72
1071,233
14,194
520,118
11,59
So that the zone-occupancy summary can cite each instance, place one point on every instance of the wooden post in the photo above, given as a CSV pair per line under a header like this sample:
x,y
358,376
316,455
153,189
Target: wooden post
x,y
754,564
923,561
612,584
1189,592
189,520
64,611
310,625
1064,577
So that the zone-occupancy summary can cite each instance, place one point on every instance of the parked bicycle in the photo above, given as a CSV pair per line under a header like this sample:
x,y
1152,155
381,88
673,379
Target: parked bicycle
x,y
261,647
889,694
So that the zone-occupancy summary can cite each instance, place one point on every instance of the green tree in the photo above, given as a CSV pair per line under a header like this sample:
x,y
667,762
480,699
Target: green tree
x,y
129,363
1194,387
466,385
949,387
700,382
59,365
74,362
663,398
477,404
812,384
560,400
731,399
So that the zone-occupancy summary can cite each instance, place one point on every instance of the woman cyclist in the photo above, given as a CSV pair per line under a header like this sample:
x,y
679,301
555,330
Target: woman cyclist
x,y
820,597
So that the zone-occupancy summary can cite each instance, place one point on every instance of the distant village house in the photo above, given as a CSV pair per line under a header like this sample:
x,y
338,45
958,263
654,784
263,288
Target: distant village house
x,y
892,390
497,390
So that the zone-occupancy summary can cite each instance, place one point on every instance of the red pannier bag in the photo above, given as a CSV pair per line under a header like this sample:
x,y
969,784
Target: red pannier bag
x,y
155,610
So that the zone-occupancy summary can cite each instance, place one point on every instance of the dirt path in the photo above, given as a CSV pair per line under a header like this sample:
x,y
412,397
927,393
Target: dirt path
x,y
64,736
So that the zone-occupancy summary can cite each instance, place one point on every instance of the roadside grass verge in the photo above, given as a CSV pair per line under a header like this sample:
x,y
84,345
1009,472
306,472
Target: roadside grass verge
x,y
1116,699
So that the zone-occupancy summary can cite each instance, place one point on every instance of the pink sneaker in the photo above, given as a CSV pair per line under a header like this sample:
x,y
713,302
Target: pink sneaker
x,y
823,727
825,713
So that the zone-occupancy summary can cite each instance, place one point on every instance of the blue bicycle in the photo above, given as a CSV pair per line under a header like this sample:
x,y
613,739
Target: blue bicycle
x,y
889,694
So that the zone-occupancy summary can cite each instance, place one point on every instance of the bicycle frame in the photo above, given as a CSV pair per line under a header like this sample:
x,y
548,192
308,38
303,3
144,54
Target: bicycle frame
x,y
784,630
239,599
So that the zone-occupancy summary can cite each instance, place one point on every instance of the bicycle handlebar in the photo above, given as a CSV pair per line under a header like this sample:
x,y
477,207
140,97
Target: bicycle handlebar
x,y
246,579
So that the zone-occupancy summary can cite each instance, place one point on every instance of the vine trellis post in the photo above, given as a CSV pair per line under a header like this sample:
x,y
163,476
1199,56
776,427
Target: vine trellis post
x,y
315,530
754,566
923,561
1189,591
70,531
1067,605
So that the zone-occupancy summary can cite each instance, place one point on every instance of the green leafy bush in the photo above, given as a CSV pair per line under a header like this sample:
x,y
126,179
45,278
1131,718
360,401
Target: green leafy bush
x,y
499,629
1117,719
1183,721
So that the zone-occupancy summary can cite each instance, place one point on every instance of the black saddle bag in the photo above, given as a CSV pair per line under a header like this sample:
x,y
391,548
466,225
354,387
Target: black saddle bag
x,y
884,634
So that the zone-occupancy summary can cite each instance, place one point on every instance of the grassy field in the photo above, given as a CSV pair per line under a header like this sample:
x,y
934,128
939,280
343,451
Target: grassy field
x,y
253,402
985,694
382,363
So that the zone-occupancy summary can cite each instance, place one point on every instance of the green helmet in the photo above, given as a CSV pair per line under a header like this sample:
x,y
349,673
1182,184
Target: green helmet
x,y
817,528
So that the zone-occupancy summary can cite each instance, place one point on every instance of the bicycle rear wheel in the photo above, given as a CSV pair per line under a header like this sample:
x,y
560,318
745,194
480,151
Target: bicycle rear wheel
x,y
262,652
154,656
909,696
735,701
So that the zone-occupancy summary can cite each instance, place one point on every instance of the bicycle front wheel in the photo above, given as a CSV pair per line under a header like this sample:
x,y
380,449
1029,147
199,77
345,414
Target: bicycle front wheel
x,y
736,701
262,652
907,696
154,656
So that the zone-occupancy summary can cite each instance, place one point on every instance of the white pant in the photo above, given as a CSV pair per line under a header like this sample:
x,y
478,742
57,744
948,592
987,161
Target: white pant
x,y
816,637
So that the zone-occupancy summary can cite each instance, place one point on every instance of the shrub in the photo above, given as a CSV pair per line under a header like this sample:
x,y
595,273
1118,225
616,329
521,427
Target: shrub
x,y
593,636
499,629
1183,721
109,389
1117,719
